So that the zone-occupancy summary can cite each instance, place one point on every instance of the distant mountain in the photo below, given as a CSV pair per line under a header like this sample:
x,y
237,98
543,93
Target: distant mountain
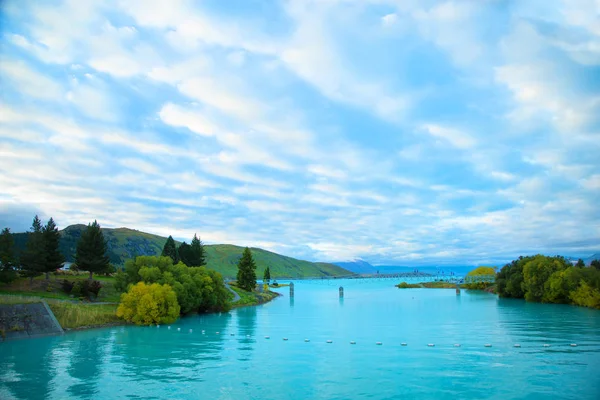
x,y
125,243
357,266
591,258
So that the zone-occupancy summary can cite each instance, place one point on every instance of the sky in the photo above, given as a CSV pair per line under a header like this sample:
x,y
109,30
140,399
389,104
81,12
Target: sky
x,y
401,132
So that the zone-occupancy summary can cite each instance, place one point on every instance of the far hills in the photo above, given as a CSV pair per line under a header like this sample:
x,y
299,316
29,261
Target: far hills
x,y
125,243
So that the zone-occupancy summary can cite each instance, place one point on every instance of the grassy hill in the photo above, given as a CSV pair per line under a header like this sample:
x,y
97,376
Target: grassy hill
x,y
125,243
224,258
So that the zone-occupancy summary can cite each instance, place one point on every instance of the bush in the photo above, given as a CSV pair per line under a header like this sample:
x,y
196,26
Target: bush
x,y
404,285
198,289
67,286
149,304
94,287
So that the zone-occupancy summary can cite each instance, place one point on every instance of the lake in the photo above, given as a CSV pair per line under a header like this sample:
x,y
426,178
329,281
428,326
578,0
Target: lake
x,y
238,362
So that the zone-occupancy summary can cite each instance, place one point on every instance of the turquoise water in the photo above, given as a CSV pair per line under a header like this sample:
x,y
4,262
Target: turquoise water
x,y
159,363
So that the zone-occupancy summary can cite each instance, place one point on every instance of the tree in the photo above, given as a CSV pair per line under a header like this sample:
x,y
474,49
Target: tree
x,y
7,257
246,275
267,276
537,271
185,253
198,289
33,260
595,264
149,304
170,250
54,258
580,263
198,256
91,251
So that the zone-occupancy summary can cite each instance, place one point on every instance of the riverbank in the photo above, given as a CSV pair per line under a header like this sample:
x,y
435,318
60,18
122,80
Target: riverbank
x,y
73,314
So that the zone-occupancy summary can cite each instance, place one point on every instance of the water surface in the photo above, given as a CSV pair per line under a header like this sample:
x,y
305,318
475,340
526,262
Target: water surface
x,y
239,363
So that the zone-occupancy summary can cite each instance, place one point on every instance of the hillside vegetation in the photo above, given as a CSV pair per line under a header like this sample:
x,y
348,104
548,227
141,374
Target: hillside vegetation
x,y
124,244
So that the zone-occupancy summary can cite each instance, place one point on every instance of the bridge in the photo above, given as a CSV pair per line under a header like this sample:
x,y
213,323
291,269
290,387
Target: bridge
x,y
418,276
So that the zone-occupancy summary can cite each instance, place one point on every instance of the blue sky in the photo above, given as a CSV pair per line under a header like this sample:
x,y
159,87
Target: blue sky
x,y
400,132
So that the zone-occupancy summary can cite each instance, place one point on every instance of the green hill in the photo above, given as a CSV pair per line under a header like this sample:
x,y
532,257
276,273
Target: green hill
x,y
125,243
224,258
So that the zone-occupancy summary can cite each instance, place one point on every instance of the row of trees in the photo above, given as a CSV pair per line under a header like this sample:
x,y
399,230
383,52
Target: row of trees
x,y
42,254
550,280
192,254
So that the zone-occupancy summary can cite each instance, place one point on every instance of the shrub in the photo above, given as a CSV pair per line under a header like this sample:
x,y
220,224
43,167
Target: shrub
x,y
67,286
197,288
94,287
149,304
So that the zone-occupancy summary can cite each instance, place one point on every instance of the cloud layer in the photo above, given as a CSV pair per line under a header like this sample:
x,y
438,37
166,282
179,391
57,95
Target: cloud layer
x,y
399,132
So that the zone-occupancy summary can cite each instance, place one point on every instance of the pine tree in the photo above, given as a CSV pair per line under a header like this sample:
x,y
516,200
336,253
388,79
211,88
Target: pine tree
x,y
185,253
198,256
267,276
7,256
54,258
580,263
91,251
170,250
33,259
246,275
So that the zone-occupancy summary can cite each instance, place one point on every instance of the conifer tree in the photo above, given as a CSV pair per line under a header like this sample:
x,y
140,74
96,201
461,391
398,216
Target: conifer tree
x,y
91,251
7,257
198,256
170,250
185,253
267,276
246,275
54,258
580,263
33,259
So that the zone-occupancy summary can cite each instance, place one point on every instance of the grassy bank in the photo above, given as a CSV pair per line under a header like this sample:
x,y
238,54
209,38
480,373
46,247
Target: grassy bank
x,y
71,315
76,316
52,288
251,298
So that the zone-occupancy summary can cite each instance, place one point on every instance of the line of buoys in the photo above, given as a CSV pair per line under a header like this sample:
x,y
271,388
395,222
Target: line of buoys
x,y
403,344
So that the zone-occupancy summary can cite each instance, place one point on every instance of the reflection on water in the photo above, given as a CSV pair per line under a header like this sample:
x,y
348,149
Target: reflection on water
x,y
240,362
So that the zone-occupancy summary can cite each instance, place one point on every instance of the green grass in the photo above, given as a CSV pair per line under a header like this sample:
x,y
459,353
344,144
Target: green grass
x,y
439,285
53,288
72,316
224,258
251,298
404,285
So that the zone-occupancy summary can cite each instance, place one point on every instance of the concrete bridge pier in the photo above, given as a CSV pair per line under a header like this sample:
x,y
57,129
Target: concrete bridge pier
x,y
341,292
291,289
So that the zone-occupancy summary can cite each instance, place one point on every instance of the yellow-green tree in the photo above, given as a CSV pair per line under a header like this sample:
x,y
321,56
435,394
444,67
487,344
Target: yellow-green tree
x,y
149,304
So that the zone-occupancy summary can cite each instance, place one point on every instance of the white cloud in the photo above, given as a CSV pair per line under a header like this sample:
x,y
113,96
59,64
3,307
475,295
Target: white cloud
x,y
29,82
455,137
389,19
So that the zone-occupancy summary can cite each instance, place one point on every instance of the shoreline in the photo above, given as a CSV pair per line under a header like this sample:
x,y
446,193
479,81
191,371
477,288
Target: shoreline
x,y
125,323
